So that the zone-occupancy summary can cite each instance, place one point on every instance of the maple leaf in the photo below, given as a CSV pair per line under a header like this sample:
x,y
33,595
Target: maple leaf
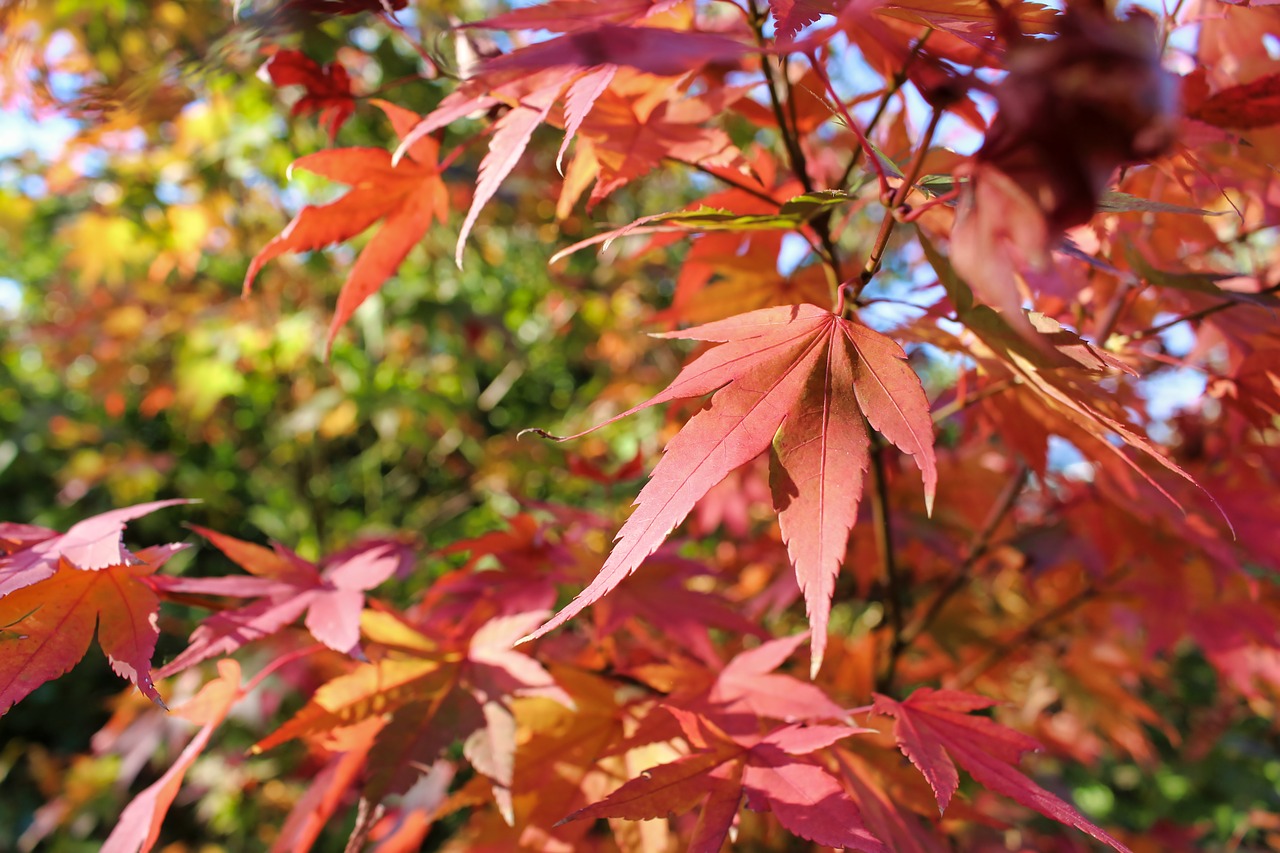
x,y
286,586
15,537
138,828
884,811
1072,109
1243,107
53,622
661,52
565,16
935,731
737,696
89,545
799,379
431,693
583,64
328,788
529,97
1037,365
626,136
792,16
769,771
407,196
662,598
328,88
749,686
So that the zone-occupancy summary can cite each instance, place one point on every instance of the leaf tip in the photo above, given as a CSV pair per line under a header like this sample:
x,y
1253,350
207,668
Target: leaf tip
x,y
541,433
401,149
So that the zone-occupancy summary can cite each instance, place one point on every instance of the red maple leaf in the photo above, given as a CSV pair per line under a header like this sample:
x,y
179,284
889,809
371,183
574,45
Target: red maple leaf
x,y
15,537
771,771
1243,107
1072,109
661,597
792,16
285,586
737,695
566,16
662,52
799,380
328,87
407,196
935,730
583,64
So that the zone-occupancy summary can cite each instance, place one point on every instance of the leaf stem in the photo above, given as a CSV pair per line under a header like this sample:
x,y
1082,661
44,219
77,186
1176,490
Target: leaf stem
x,y
895,85
279,663
728,179
1115,308
863,141
895,202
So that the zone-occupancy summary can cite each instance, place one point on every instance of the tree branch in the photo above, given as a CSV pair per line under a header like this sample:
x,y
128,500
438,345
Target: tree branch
x,y
895,85
880,517
904,189
795,151
1090,591
961,403
1196,315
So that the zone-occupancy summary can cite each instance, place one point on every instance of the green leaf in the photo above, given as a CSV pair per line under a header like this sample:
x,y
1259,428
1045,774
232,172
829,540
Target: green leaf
x,y
1118,202
957,291
1194,282
791,215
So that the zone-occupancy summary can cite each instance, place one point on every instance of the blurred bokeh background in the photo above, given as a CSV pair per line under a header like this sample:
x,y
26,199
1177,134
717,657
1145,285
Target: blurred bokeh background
x,y
143,162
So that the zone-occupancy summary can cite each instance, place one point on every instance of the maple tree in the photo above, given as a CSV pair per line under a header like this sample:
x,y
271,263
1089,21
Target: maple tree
x,y
917,501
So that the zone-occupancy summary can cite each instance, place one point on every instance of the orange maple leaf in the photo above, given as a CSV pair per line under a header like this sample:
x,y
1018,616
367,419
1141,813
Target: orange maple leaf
x,y
407,196
50,623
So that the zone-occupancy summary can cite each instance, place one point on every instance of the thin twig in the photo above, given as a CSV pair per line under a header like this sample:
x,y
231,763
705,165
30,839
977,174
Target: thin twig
x,y
1197,315
863,141
1089,592
915,213
795,151
895,85
279,662
367,814
1169,24
728,179
979,546
1111,316
433,69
